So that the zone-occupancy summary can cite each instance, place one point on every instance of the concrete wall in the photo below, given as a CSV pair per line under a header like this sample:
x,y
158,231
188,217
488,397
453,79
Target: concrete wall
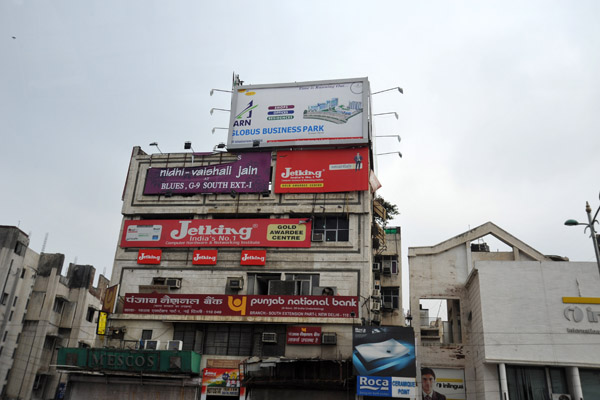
x,y
525,319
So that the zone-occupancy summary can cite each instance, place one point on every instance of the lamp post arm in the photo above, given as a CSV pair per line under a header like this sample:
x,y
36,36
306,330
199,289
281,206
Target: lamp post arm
x,y
588,211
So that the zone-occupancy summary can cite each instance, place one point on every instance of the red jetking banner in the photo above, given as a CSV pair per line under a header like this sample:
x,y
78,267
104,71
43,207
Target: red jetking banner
x,y
321,171
291,232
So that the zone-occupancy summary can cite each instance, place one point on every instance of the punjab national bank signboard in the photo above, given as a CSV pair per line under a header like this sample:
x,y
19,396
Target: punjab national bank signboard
x,y
292,232
299,114
239,305
250,173
320,171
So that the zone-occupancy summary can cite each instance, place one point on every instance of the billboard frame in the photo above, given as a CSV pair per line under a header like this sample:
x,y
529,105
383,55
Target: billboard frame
x,y
302,142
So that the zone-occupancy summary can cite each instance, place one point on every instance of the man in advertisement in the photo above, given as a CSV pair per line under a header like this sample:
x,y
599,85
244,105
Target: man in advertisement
x,y
428,383
357,162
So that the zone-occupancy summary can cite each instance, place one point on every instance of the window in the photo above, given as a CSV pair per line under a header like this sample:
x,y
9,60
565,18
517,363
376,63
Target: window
x,y
15,300
231,339
49,343
390,297
273,284
20,248
526,383
590,383
90,314
4,298
147,334
10,316
389,264
334,229
59,304
23,273
18,338
259,283
4,337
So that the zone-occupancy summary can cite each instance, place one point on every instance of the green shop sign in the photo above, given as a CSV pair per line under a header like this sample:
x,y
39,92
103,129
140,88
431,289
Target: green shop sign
x,y
165,361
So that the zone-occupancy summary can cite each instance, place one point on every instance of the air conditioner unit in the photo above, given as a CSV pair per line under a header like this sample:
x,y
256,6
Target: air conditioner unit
x,y
377,285
561,396
329,338
376,319
375,305
173,283
387,305
387,270
235,283
175,345
151,345
376,293
376,267
269,337
318,237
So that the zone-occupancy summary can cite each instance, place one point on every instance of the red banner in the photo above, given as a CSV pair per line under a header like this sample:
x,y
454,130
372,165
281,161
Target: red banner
x,y
292,232
303,335
238,305
253,257
320,171
205,257
149,256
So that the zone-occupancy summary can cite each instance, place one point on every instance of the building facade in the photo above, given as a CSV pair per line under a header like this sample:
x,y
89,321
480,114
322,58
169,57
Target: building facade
x,y
514,325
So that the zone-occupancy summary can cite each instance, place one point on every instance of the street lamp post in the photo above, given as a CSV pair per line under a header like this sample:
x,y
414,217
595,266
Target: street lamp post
x,y
590,224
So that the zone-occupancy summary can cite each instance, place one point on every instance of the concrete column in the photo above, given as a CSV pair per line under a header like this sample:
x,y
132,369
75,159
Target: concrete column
x,y
503,382
574,383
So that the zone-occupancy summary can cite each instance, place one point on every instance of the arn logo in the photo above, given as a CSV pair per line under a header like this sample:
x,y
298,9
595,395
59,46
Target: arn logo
x,y
243,118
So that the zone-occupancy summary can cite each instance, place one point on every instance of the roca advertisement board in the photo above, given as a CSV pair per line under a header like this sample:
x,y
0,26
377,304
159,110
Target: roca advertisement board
x,y
289,232
384,361
322,171
299,114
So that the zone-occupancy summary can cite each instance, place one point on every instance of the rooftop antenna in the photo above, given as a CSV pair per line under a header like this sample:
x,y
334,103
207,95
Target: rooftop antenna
x,y
45,241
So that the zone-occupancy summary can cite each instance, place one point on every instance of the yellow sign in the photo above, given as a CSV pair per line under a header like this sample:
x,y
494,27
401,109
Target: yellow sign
x,y
286,232
581,300
101,330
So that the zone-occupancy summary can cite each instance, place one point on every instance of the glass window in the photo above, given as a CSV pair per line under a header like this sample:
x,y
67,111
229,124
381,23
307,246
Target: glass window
x,y
526,383
334,229
90,314
146,334
590,383
558,377
390,297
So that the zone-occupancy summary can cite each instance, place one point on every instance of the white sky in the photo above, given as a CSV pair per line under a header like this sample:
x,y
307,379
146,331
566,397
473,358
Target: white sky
x,y
499,120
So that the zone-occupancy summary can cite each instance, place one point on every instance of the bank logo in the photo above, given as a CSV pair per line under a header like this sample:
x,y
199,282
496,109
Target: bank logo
x,y
237,304
244,118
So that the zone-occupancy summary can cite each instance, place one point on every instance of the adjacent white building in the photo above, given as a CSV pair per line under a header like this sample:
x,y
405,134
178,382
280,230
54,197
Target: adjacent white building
x,y
517,324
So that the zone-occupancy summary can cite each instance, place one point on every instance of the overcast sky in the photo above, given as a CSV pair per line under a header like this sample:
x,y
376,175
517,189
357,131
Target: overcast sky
x,y
499,119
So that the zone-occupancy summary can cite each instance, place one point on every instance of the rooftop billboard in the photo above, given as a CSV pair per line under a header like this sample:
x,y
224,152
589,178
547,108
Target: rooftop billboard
x,y
299,114
250,173
322,171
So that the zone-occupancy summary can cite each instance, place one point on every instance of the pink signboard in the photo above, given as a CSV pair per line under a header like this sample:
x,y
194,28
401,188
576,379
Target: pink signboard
x,y
304,335
239,305
250,173
291,232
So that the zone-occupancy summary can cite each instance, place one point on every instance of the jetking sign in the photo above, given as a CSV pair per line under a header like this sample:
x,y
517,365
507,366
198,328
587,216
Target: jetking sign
x,y
577,312
290,232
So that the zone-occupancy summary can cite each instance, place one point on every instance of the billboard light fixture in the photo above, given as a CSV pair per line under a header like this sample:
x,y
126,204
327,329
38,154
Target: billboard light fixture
x,y
391,152
217,127
220,148
218,109
387,113
387,90
396,136
155,144
212,91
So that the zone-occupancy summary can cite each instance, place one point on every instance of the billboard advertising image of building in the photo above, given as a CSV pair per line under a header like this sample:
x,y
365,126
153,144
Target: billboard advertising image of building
x,y
299,114
322,171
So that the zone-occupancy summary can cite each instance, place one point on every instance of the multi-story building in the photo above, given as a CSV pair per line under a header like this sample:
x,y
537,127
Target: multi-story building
x,y
504,325
17,273
259,260
41,311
